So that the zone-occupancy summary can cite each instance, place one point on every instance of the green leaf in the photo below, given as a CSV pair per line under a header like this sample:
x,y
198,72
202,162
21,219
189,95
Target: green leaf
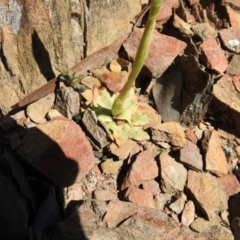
x,y
79,76
137,133
104,99
64,78
143,115
71,74
119,132
103,114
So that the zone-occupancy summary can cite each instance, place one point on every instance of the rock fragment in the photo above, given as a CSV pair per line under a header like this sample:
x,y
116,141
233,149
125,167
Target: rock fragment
x,y
67,101
188,213
169,132
230,184
173,174
231,38
209,196
144,168
59,149
191,157
213,56
140,196
215,159
226,94
37,111
163,50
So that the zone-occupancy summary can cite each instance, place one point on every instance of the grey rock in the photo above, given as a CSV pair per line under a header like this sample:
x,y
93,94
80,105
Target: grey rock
x,y
67,101
98,135
167,94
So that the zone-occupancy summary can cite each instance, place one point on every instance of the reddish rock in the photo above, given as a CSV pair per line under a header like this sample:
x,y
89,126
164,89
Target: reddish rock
x,y
209,196
227,96
140,196
192,2
165,11
234,17
144,168
190,135
114,80
233,3
213,56
169,132
59,149
104,195
230,184
117,211
191,157
124,221
173,174
127,149
163,50
188,213
151,186
231,38
215,159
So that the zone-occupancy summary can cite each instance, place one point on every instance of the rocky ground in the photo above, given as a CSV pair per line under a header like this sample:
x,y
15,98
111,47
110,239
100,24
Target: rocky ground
x,y
63,177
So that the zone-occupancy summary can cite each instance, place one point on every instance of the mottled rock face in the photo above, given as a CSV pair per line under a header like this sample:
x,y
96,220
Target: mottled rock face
x,y
59,149
41,39
209,195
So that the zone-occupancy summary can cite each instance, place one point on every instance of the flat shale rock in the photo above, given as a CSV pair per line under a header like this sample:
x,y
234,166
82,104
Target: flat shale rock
x,y
67,101
191,157
209,196
234,16
173,174
37,111
141,197
234,65
230,184
97,134
167,94
188,213
135,223
213,56
162,52
59,149
144,168
218,232
233,3
171,132
230,38
226,94
215,160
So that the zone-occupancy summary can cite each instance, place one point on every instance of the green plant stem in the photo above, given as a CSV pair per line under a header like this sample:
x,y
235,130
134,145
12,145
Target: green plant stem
x,y
140,58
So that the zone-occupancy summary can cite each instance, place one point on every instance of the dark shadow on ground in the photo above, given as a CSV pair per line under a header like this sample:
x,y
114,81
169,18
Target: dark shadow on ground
x,y
32,205
41,56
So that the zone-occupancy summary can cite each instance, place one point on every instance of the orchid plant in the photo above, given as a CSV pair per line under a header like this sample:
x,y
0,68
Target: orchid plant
x,y
122,114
